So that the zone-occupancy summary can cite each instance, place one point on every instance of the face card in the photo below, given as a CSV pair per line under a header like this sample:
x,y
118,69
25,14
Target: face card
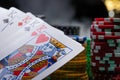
x,y
37,50
39,57
24,34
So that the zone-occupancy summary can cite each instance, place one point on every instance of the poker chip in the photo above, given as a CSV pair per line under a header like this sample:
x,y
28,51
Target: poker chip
x,y
105,45
105,23
104,76
88,53
117,77
107,51
106,33
115,27
75,69
76,74
104,42
63,71
103,30
102,37
105,48
68,30
108,19
80,39
108,69
109,41
100,47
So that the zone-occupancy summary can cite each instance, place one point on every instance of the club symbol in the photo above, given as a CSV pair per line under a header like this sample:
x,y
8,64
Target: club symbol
x,y
27,28
6,20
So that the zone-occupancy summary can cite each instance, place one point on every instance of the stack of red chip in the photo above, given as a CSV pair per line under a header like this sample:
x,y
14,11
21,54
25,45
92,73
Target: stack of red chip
x,y
105,47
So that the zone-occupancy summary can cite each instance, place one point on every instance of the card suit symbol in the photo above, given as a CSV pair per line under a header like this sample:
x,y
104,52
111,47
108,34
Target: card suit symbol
x,y
34,33
27,28
20,24
11,23
42,38
6,20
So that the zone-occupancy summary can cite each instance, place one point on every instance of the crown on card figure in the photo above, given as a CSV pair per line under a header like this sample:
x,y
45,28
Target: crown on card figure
x,y
57,43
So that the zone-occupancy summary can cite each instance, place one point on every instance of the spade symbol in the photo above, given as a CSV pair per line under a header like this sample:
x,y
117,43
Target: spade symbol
x,y
27,28
6,20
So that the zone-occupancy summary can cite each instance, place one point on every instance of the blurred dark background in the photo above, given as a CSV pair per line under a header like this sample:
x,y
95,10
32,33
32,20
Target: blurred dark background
x,y
82,8
62,12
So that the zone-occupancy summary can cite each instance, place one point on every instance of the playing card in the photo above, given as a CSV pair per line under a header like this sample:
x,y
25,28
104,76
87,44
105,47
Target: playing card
x,y
39,57
7,19
3,11
24,34
35,51
19,22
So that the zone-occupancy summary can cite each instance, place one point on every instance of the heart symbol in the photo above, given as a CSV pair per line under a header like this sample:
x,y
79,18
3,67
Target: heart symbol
x,y
20,24
34,33
42,38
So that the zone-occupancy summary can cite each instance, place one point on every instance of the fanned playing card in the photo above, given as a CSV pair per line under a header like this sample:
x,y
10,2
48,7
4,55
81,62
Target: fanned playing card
x,y
39,57
8,18
37,50
26,33
19,22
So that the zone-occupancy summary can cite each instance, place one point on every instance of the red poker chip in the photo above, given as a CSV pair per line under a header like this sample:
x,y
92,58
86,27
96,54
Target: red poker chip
x,y
102,43
115,27
106,33
97,68
105,76
105,44
95,61
115,40
113,73
98,64
108,19
105,51
106,69
108,41
117,69
116,61
98,57
102,37
92,29
93,58
100,77
101,55
106,66
103,47
117,77
105,23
